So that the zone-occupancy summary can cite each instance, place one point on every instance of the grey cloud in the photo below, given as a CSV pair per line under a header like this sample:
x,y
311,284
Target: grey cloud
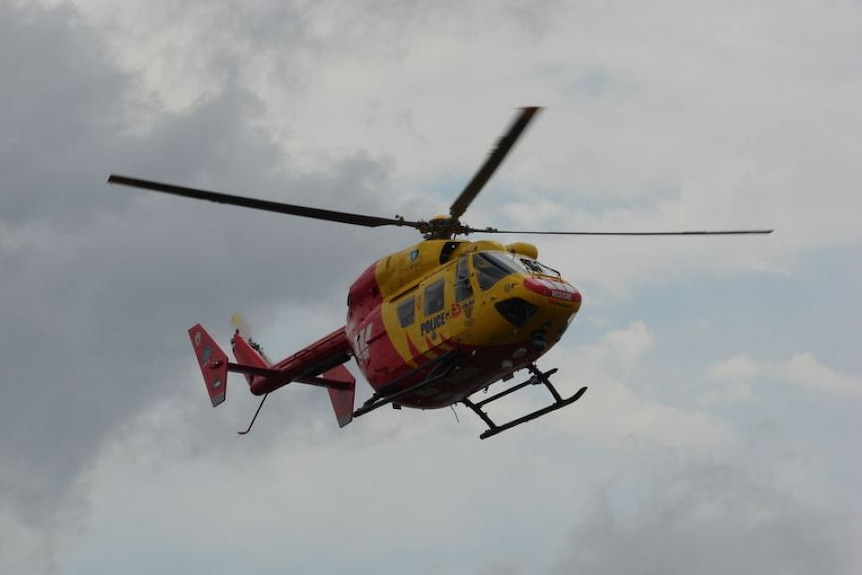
x,y
58,111
99,283
716,517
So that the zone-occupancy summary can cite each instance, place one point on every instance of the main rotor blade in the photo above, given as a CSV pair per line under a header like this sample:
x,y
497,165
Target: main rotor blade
x,y
686,233
460,205
278,207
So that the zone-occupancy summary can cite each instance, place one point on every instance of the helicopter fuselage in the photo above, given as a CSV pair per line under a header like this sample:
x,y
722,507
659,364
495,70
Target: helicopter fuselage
x,y
466,314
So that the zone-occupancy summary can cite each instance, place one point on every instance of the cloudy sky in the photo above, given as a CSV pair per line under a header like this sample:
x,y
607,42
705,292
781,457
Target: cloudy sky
x,y
720,431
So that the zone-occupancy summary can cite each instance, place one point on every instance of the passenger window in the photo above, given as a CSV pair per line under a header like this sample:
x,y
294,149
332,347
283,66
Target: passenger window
x,y
433,301
463,289
407,311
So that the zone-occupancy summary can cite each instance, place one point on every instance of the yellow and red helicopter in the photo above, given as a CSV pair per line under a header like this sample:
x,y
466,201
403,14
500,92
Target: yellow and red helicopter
x,y
429,326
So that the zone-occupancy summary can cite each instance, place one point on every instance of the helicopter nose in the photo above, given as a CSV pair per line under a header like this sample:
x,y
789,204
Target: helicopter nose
x,y
517,311
556,290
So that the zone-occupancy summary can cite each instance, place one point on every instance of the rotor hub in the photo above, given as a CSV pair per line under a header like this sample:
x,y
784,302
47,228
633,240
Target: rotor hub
x,y
442,228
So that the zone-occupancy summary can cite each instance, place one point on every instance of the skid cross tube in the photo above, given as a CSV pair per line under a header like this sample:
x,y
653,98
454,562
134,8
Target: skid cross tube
x,y
537,377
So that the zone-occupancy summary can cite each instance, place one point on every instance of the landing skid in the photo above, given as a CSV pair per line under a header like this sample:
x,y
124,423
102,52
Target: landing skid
x,y
537,377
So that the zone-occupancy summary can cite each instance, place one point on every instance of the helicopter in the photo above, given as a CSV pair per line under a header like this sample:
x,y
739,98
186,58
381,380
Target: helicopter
x,y
429,326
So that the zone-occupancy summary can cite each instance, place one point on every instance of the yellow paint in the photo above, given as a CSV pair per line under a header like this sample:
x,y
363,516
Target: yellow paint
x,y
474,321
523,248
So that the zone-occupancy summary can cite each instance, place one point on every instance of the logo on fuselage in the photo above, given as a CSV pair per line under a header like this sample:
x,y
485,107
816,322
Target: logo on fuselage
x,y
362,339
414,257
465,307
433,323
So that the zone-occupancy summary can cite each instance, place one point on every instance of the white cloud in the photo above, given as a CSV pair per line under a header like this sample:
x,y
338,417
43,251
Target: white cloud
x,y
616,413
741,373
806,370
612,411
738,367
731,377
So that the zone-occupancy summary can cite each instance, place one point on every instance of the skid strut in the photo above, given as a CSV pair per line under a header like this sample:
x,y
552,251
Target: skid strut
x,y
537,378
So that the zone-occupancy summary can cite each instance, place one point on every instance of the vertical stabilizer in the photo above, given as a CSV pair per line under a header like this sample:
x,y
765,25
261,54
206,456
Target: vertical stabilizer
x,y
341,397
213,363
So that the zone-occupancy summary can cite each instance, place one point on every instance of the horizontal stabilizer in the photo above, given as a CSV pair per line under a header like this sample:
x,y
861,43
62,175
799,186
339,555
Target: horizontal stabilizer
x,y
213,363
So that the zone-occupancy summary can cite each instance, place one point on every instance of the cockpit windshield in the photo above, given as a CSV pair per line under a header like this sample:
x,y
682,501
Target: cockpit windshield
x,y
491,267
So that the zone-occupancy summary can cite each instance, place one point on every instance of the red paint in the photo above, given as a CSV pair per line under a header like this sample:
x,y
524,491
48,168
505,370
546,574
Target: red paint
x,y
555,289
325,353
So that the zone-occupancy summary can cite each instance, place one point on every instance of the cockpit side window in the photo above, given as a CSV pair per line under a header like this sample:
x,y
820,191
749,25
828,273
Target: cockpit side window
x,y
463,288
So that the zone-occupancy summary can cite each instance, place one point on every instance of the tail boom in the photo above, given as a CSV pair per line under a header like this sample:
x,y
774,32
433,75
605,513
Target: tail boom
x,y
303,366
